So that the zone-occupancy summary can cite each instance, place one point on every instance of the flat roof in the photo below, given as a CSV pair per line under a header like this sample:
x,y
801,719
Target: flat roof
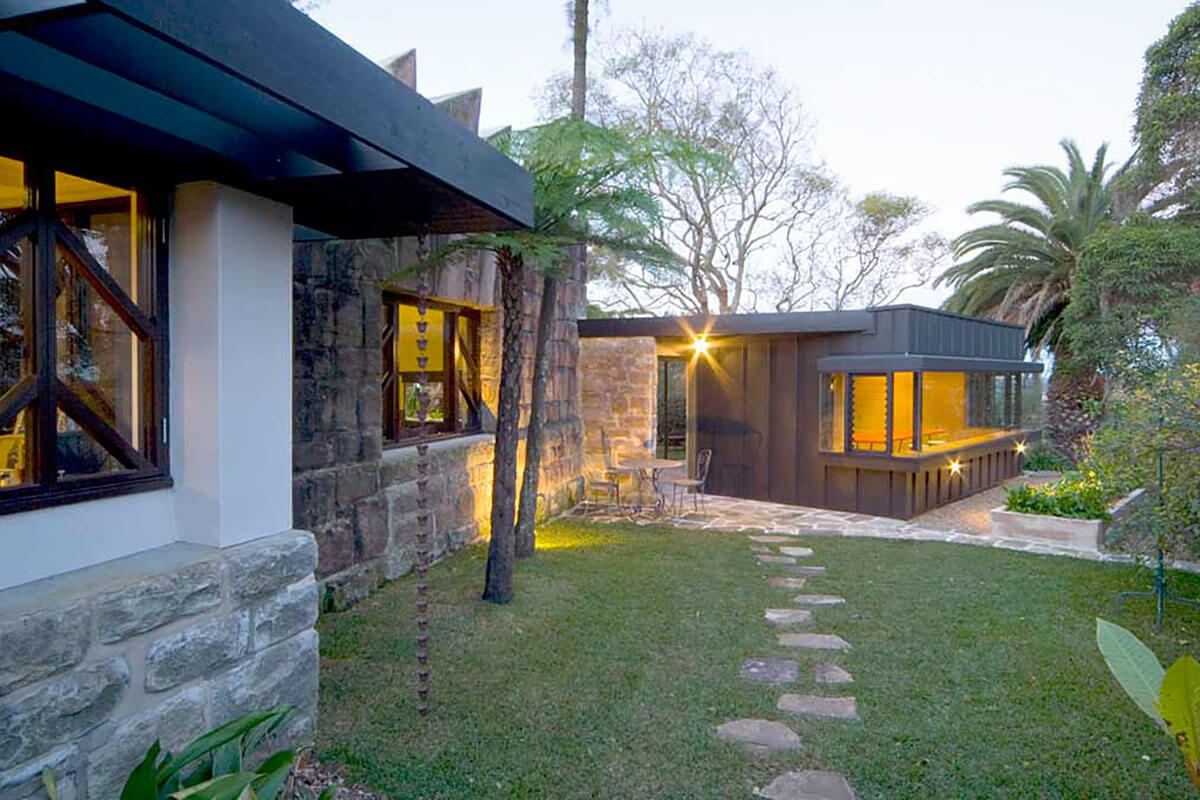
x,y
730,324
252,93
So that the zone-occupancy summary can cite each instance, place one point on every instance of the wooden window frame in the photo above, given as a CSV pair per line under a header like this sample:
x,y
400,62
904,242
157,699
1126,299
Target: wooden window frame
x,y
397,432
41,389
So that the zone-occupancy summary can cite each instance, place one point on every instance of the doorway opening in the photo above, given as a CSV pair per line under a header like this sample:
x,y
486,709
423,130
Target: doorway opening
x,y
671,438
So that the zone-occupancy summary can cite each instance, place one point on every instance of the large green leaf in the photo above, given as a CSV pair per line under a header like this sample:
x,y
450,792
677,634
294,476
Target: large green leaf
x,y
226,787
1133,664
49,782
215,739
141,784
273,774
1179,704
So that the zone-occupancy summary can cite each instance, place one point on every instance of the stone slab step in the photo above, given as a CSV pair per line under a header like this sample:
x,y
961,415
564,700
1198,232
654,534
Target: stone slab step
x,y
770,670
800,552
813,641
818,599
759,735
816,706
831,674
788,616
788,583
759,548
776,560
799,570
807,785
771,539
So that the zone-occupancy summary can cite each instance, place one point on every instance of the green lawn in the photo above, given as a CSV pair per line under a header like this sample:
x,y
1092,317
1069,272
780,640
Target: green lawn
x,y
977,674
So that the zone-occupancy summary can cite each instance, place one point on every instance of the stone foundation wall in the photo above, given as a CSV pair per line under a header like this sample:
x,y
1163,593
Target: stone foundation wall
x,y
360,498
97,664
618,396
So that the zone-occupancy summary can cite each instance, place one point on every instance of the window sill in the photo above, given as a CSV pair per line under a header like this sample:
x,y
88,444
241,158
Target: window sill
x,y
32,498
437,441
924,461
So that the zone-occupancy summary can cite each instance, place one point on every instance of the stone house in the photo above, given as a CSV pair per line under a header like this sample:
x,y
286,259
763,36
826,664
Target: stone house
x,y
186,394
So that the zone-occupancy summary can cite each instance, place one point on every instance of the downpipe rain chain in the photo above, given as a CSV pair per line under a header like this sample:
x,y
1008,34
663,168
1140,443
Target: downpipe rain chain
x,y
423,516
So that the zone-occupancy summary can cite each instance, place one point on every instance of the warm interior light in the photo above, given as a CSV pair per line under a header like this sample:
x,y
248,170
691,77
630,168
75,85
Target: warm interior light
x,y
955,466
700,344
1020,448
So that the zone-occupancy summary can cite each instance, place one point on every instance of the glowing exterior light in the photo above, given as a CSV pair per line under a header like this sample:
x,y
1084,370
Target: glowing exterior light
x,y
955,467
1020,448
700,344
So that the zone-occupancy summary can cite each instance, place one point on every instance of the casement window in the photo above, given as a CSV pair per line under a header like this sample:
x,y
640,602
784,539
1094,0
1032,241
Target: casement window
x,y
83,340
451,370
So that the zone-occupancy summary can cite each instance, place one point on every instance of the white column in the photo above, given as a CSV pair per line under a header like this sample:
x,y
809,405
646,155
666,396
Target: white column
x,y
231,364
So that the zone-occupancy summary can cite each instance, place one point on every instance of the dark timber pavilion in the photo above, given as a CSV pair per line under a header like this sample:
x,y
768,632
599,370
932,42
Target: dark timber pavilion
x,y
889,411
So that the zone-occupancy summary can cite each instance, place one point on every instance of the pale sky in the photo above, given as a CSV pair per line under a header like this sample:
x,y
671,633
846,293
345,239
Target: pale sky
x,y
927,97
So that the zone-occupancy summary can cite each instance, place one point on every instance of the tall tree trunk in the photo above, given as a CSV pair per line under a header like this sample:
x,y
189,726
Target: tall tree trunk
x,y
526,538
1072,401
498,587
526,519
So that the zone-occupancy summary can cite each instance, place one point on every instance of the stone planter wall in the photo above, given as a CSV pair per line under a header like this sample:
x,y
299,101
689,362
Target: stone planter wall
x,y
618,396
360,499
97,664
1087,534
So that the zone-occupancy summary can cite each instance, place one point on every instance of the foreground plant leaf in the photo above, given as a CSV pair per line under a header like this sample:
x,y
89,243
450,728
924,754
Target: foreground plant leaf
x,y
1134,666
1179,704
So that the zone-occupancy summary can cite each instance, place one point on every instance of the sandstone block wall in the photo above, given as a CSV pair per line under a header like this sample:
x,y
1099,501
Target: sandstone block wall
x,y
97,664
360,498
618,396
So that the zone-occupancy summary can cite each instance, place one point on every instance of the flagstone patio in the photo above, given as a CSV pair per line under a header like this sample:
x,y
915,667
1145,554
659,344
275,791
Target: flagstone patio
x,y
724,514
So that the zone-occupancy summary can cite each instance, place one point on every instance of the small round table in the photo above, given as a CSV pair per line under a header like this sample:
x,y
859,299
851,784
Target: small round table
x,y
652,466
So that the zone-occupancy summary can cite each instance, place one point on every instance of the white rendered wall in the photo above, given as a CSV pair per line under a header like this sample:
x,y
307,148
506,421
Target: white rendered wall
x,y
231,358
231,401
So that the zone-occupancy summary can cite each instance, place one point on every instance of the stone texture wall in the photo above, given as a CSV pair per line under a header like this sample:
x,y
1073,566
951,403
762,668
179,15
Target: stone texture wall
x,y
360,499
97,664
618,396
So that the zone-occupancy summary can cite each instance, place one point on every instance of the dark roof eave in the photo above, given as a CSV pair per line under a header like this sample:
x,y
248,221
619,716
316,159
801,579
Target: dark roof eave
x,y
916,362
730,324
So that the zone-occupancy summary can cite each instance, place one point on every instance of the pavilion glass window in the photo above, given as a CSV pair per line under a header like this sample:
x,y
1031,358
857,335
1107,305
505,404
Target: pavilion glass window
x,y
907,413
82,338
451,370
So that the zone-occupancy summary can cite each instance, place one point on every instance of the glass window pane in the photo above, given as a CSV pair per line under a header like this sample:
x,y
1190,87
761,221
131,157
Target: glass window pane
x,y
868,426
902,414
1029,412
14,195
105,220
466,358
959,409
406,340
833,412
15,450
437,402
79,453
97,356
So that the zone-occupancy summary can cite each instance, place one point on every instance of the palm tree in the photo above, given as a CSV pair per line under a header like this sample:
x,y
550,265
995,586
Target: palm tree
x,y
584,192
1021,270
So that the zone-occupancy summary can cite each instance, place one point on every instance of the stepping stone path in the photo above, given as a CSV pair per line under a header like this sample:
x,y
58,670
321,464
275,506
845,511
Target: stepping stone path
x,y
817,599
813,641
837,707
808,785
770,539
801,552
788,616
797,570
776,560
788,583
758,548
770,670
759,735
831,674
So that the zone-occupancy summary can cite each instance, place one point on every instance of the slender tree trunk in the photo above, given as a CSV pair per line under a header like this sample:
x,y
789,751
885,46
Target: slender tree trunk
x,y
526,538
526,535
498,586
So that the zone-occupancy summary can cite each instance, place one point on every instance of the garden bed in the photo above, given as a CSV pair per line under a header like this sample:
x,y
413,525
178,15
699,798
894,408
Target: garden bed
x,y
1086,534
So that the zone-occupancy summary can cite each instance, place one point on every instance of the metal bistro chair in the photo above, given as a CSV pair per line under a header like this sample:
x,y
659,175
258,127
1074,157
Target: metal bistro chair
x,y
696,484
610,483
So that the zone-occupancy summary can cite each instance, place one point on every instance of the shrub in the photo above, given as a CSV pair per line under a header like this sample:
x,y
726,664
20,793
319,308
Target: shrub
x,y
1158,418
1043,457
1076,495
216,765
